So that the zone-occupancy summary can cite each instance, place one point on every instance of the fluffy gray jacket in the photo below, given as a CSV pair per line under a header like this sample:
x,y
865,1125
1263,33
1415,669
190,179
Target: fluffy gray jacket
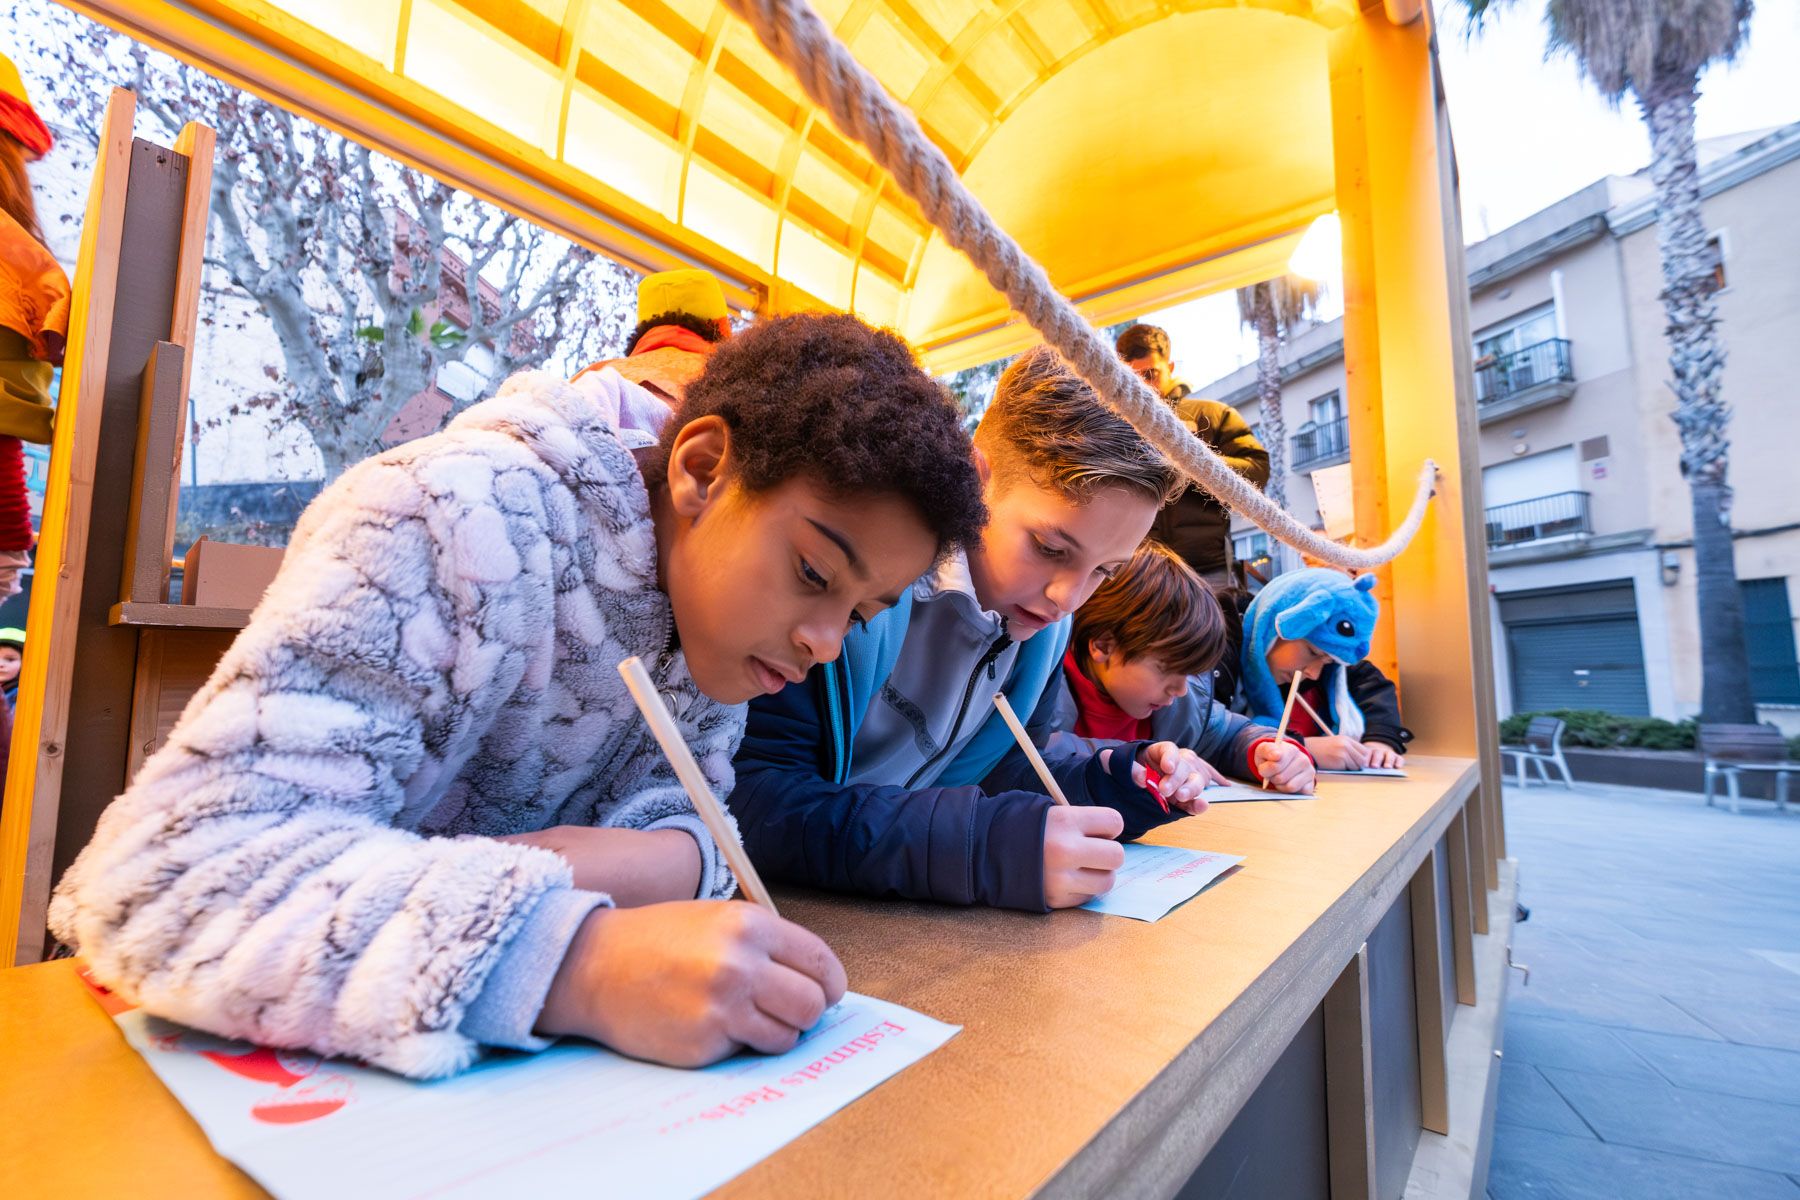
x,y
303,863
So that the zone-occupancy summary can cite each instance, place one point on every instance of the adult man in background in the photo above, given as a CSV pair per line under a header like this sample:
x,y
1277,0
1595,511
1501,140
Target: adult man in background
x,y
1195,525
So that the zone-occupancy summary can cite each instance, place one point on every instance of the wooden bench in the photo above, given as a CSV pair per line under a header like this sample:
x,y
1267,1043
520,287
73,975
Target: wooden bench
x,y
1543,744
1731,750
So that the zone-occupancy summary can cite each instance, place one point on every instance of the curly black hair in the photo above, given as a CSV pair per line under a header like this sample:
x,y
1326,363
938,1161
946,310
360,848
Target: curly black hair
x,y
707,329
824,396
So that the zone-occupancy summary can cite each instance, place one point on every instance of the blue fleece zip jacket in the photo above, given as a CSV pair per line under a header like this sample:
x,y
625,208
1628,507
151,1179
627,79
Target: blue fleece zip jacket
x,y
963,826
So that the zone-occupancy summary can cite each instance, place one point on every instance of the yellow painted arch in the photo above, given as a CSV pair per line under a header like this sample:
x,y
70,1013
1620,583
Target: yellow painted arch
x,y
1143,150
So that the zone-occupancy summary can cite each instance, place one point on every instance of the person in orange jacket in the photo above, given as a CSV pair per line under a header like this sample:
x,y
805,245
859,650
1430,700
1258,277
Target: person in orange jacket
x,y
34,319
681,317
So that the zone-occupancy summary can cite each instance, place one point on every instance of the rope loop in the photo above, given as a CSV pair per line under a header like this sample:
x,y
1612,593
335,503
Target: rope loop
x,y
862,109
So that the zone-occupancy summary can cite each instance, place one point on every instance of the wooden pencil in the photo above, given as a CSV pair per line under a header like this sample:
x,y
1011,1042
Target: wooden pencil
x,y
1287,711
662,724
1037,760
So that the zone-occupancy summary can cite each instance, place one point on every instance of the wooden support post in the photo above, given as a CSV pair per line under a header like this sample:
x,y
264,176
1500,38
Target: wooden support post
x,y
41,721
1350,1082
1475,828
1428,996
1462,920
155,478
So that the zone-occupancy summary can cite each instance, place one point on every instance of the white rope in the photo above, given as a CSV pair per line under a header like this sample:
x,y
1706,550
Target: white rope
x,y
792,32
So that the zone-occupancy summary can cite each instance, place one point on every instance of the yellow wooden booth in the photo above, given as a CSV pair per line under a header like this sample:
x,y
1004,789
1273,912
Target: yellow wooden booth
x,y
1326,1022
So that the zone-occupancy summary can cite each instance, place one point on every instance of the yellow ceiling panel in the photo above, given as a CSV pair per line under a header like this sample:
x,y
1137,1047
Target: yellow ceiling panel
x,y
608,143
454,54
660,130
722,209
369,27
891,56
1058,26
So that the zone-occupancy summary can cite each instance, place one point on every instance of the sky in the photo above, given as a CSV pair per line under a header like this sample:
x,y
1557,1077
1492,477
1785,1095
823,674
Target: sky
x,y
1529,132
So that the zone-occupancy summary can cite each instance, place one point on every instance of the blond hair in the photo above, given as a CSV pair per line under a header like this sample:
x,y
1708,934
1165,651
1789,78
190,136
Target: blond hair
x,y
1047,425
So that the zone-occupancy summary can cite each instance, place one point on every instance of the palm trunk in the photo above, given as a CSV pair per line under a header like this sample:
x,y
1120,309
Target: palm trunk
x,y
1268,393
1697,364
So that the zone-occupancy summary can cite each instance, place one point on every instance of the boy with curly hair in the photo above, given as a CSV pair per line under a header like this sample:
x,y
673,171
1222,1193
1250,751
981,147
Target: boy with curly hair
x,y
890,773
410,813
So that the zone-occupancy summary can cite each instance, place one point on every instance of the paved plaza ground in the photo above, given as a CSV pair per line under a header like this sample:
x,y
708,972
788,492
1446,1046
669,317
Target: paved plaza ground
x,y
1656,1051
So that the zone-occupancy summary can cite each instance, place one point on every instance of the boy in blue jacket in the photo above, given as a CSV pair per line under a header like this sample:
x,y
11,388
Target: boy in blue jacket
x,y
889,772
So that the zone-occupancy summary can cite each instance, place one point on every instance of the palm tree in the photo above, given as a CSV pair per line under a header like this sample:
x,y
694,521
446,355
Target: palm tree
x,y
1655,50
1273,308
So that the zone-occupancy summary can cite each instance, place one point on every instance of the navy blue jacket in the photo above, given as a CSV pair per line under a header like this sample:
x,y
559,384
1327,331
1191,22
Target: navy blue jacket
x,y
977,843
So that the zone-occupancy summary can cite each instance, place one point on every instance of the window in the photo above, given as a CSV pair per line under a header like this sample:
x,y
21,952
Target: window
x,y
1326,409
1250,547
1769,638
1516,333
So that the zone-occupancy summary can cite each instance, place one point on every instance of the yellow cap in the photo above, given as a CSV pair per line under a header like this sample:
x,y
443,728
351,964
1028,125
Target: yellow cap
x,y
686,291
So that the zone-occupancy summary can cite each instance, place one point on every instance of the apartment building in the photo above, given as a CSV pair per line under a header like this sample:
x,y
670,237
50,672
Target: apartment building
x,y
1589,529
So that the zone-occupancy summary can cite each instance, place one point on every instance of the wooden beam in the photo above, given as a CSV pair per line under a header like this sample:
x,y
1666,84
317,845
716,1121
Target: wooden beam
x,y
1428,996
1350,1082
40,723
1462,921
155,477
195,143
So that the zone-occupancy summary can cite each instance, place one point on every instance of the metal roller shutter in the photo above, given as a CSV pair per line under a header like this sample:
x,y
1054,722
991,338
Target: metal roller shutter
x,y
1576,648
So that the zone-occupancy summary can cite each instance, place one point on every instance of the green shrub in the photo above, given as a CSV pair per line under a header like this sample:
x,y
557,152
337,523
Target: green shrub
x,y
1603,731
1794,747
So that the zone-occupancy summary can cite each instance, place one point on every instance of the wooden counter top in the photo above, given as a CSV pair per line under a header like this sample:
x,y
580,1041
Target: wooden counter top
x,y
1100,1056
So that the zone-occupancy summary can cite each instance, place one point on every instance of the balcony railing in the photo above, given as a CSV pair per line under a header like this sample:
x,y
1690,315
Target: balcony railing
x,y
1501,375
1558,515
1316,443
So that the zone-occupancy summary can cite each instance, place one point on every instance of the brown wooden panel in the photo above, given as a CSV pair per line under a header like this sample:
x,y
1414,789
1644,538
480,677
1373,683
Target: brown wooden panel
x,y
155,477
1428,997
172,665
41,721
1462,921
1350,1082
98,740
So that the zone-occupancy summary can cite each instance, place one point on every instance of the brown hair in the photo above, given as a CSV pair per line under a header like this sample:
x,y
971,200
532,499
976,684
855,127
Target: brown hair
x,y
15,186
1156,607
1141,341
1046,424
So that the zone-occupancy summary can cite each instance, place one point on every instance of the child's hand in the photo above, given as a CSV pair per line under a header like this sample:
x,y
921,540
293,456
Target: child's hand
x,y
1184,775
1338,753
1284,766
1080,855
1383,756
690,982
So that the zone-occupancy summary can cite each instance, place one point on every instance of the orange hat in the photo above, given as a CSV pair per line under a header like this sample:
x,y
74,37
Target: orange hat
x,y
17,117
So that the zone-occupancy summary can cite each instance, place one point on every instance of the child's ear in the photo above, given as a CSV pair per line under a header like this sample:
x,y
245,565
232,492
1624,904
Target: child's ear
x,y
984,470
1101,649
697,464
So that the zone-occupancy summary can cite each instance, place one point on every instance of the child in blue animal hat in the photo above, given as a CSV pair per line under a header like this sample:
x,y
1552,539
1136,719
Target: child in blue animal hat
x,y
1317,623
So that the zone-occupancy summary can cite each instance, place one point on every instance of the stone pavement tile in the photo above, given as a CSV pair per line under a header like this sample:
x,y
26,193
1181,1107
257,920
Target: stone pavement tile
x,y
1705,1125
1573,1045
1531,1164
1528,1100
1753,1071
1606,1003
1749,1022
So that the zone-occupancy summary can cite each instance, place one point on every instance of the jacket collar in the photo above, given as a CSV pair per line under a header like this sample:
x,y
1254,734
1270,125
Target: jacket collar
x,y
952,583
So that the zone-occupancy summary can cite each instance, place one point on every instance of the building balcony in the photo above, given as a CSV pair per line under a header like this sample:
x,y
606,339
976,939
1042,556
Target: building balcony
x,y
1540,375
1324,445
1562,515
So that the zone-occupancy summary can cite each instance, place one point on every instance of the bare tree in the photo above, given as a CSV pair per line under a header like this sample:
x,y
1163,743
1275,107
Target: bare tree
x,y
375,277
1655,50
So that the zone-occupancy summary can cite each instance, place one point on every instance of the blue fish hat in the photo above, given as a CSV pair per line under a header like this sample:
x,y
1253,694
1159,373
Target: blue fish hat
x,y
1327,608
